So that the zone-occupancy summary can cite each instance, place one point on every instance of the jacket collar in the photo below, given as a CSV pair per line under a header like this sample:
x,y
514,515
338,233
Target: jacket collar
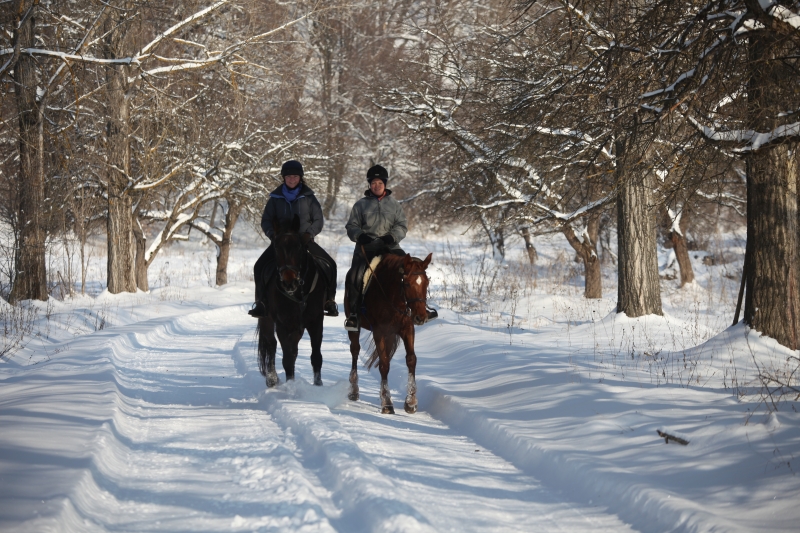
x,y
305,191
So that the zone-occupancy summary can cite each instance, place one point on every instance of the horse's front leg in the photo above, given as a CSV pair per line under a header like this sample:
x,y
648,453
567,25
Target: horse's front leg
x,y
289,340
387,407
407,334
315,335
355,348
267,348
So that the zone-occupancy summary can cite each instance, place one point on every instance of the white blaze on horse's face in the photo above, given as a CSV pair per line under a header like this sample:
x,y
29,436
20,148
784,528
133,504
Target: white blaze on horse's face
x,y
419,280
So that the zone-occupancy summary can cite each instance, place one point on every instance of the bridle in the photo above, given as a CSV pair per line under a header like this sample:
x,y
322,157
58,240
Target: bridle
x,y
405,285
299,279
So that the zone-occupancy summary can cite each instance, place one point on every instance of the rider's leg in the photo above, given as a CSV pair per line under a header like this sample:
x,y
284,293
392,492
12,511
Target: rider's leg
x,y
353,284
328,266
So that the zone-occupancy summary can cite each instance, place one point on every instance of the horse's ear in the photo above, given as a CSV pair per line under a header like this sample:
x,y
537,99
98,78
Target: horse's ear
x,y
295,224
407,260
276,225
427,261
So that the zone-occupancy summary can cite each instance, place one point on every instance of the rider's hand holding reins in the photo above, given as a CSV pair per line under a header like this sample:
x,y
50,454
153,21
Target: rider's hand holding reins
x,y
364,239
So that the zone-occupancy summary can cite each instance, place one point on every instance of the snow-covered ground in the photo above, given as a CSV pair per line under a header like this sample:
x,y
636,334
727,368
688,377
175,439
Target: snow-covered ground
x,y
539,410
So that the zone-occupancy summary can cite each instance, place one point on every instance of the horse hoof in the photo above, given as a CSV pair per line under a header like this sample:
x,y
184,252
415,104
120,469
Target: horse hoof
x,y
353,396
273,381
387,410
318,380
410,409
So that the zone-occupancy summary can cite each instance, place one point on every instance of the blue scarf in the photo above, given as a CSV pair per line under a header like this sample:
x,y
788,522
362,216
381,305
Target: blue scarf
x,y
291,194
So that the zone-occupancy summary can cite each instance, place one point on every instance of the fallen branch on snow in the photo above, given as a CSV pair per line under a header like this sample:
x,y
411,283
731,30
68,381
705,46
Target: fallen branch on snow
x,y
667,437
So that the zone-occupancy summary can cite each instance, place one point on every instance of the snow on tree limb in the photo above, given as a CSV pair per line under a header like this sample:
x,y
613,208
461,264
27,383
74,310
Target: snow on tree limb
x,y
748,140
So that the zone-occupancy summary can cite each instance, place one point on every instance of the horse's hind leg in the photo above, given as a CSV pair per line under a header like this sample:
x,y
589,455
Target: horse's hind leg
x,y
315,335
355,347
411,362
267,347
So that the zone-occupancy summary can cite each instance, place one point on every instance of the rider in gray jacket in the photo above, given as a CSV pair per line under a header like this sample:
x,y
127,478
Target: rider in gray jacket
x,y
376,224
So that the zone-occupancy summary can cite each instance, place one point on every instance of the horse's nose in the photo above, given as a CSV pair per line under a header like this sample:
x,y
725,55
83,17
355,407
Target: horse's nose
x,y
419,320
290,286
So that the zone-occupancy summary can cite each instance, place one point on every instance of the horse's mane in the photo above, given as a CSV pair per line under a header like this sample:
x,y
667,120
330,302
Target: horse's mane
x,y
387,269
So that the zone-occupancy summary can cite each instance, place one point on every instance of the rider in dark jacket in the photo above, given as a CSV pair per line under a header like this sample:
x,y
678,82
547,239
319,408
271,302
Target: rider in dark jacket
x,y
292,198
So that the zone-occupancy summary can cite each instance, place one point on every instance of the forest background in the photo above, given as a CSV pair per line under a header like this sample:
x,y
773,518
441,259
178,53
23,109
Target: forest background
x,y
143,123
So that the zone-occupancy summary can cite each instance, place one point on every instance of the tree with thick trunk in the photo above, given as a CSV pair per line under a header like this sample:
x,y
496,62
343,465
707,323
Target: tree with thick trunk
x,y
30,281
121,243
638,289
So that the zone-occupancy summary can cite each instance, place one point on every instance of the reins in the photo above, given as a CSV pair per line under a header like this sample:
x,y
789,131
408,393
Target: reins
x,y
403,284
300,281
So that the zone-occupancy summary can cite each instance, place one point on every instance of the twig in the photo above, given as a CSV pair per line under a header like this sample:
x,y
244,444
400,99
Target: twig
x,y
667,437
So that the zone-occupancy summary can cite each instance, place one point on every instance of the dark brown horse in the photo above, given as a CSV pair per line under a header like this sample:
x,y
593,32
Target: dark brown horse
x,y
395,301
294,304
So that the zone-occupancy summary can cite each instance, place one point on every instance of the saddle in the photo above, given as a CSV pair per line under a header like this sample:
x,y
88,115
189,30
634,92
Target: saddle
x,y
368,272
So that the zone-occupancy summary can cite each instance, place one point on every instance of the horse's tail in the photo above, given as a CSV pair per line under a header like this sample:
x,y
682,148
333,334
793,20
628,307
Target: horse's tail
x,y
391,347
262,349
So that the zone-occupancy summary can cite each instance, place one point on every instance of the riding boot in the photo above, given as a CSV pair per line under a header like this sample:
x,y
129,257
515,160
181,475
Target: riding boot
x,y
259,310
330,307
354,301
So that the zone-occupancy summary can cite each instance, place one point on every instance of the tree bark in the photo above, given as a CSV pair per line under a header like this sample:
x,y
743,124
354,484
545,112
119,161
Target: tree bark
x,y
141,262
530,249
234,208
638,289
772,301
586,248
772,298
121,244
30,281
679,245
682,255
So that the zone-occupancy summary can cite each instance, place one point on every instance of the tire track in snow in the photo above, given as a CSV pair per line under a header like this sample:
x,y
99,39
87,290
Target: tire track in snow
x,y
405,472
173,440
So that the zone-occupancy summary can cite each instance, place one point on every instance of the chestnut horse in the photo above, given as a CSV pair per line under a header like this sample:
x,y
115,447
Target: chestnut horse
x,y
294,303
395,301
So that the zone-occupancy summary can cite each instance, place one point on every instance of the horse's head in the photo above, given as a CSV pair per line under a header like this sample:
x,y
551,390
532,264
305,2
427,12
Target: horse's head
x,y
415,287
290,254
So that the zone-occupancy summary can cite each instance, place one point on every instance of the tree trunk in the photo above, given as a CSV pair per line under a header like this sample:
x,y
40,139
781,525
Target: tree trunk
x,y
234,208
675,224
141,261
586,248
772,301
529,248
638,289
121,245
30,281
682,255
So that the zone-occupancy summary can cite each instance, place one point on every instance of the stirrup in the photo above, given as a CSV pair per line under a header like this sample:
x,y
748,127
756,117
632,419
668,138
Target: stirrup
x,y
259,310
351,324
330,308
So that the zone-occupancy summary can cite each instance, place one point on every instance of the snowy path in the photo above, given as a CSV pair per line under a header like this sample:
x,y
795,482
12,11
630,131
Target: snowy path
x,y
178,434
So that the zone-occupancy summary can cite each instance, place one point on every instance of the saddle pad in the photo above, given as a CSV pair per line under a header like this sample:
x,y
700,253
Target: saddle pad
x,y
368,274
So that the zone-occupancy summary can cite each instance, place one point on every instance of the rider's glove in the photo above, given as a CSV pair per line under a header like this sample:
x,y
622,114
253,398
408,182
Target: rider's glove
x,y
306,237
388,240
364,239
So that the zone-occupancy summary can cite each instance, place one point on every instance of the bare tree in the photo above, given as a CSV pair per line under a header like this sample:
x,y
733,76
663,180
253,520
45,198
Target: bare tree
x,y
730,69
